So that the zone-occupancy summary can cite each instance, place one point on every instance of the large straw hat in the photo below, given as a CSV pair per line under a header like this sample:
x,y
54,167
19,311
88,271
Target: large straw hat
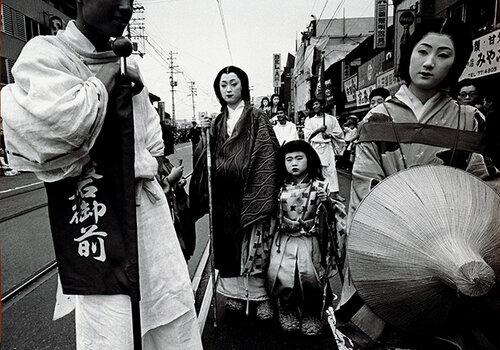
x,y
423,241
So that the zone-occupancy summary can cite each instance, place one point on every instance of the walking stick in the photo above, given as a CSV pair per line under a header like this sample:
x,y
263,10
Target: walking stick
x,y
122,47
210,224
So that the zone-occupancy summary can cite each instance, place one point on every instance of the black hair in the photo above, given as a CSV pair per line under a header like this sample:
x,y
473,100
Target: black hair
x,y
381,91
309,105
314,169
315,99
272,97
262,102
459,34
245,89
467,82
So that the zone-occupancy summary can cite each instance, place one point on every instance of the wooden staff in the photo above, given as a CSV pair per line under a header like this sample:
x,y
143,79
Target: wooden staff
x,y
122,47
210,223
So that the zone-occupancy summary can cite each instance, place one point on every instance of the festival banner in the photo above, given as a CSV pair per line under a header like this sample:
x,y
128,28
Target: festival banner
x,y
350,88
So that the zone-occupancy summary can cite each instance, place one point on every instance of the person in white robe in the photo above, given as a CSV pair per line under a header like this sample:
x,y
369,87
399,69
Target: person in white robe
x,y
52,116
285,130
325,135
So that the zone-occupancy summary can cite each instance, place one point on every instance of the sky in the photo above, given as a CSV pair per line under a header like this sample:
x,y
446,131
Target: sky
x,y
256,30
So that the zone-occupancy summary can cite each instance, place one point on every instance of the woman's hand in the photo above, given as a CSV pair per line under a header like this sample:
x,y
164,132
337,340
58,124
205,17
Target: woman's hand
x,y
205,121
175,174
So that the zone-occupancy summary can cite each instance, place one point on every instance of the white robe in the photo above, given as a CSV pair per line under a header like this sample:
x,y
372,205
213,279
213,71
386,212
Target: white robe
x,y
52,117
324,147
285,133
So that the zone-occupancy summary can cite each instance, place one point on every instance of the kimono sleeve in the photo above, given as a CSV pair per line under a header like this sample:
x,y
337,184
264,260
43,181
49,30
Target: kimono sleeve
x,y
308,129
53,112
366,173
154,140
336,130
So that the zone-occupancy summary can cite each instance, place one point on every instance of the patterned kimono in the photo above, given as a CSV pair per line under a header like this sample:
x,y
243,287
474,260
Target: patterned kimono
x,y
301,251
396,135
245,185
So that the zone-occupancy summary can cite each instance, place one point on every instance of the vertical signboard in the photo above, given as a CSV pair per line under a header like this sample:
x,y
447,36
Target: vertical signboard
x,y
350,88
380,30
404,25
276,70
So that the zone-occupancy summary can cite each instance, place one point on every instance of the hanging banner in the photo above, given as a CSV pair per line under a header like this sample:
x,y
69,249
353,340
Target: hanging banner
x,y
485,57
404,26
380,30
363,95
276,70
368,70
350,88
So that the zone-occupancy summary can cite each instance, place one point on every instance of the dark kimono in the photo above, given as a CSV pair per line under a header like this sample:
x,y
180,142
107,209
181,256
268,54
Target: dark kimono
x,y
245,188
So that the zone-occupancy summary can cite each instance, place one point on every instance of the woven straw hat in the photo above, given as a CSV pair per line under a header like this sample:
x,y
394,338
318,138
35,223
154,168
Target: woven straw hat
x,y
423,241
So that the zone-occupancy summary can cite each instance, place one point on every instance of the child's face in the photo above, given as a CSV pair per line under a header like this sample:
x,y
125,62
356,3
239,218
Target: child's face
x,y
296,163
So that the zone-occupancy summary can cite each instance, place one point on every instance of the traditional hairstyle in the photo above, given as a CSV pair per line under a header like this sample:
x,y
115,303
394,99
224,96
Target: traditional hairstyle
x,y
272,97
245,89
382,92
313,162
262,102
459,34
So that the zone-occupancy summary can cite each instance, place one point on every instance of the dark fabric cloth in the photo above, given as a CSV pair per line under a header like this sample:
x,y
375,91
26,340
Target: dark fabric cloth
x,y
426,134
93,216
244,179
178,201
194,135
167,134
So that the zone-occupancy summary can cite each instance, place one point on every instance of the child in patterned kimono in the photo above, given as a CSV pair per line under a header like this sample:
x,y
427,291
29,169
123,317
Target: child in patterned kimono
x,y
298,270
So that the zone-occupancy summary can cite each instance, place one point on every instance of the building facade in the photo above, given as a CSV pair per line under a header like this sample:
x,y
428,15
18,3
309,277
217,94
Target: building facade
x,y
23,20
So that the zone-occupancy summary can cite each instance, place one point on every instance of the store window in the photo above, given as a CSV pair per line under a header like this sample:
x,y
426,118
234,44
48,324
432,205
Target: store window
x,y
13,22
6,70
7,20
32,28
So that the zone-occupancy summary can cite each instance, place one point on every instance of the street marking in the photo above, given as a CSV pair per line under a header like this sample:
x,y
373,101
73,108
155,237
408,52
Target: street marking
x,y
20,187
199,270
183,147
207,301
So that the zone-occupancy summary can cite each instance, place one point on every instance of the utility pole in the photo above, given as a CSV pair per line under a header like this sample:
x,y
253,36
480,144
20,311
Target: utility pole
x,y
137,25
192,88
173,83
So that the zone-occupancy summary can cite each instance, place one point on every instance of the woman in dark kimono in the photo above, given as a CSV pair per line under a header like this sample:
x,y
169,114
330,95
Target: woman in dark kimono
x,y
245,188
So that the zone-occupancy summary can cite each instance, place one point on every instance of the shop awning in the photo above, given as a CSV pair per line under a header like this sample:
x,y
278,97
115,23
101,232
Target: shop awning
x,y
337,49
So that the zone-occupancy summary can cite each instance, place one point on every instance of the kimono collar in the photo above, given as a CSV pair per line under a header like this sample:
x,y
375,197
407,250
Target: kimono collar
x,y
422,112
81,45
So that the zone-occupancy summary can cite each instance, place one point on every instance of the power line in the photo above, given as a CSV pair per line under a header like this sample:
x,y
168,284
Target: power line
x,y
221,13
327,25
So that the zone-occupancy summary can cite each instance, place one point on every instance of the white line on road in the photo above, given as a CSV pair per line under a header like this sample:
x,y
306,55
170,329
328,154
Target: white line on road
x,y
207,301
199,270
183,147
20,187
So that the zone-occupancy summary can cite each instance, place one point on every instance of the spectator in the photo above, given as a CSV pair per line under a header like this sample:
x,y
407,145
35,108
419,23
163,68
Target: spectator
x,y
285,130
194,135
378,96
